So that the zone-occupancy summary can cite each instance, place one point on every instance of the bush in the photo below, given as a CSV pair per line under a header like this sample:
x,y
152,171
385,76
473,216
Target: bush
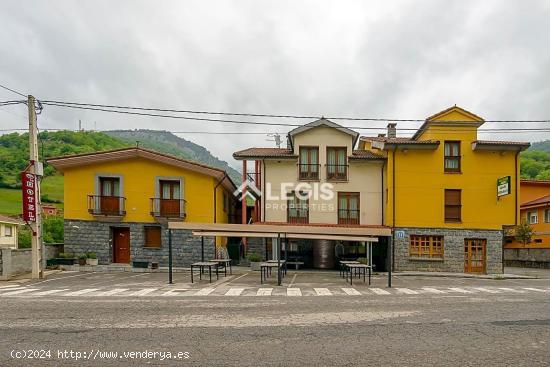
x,y
254,257
363,260
82,257
91,255
53,229
66,255
24,237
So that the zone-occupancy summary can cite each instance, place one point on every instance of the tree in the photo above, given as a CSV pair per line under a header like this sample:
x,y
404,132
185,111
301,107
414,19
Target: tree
x,y
524,233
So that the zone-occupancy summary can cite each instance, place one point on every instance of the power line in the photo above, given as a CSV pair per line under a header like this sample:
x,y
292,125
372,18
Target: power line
x,y
13,91
104,106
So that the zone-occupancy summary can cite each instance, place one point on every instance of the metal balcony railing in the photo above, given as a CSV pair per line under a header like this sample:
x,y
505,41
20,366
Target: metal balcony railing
x,y
337,172
348,216
308,172
106,205
168,208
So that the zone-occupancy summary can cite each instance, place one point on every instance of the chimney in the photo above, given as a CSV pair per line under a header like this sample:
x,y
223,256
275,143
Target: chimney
x,y
381,135
392,132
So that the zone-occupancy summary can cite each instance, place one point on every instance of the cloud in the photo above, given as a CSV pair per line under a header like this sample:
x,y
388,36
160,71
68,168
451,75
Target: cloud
x,y
399,59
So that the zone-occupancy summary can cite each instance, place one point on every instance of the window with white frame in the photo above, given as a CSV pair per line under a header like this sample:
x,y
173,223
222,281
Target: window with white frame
x,y
532,217
546,215
8,231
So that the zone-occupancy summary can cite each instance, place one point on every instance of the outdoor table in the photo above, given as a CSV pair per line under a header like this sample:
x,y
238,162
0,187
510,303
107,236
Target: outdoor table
x,y
283,263
265,269
223,262
343,264
362,269
204,264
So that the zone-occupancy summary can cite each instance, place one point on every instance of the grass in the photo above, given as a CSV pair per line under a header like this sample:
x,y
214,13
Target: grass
x,y
10,199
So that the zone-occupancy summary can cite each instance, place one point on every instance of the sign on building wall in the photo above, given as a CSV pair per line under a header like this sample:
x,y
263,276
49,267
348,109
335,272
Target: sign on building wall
x,y
503,186
28,185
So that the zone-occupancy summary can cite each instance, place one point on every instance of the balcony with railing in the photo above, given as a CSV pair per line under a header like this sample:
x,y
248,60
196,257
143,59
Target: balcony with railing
x,y
168,208
308,172
337,172
109,206
348,216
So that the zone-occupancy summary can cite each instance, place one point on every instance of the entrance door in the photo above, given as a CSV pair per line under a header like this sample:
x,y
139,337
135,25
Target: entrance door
x,y
121,245
474,255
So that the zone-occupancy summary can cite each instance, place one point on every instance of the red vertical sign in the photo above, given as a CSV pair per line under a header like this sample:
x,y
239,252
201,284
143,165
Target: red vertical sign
x,y
28,185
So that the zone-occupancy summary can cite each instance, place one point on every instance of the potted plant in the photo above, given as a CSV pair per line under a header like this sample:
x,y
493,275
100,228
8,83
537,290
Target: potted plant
x,y
65,258
91,258
255,261
82,259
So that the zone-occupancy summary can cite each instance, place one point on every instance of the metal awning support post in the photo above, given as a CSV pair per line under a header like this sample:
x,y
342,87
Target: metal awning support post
x,y
202,248
390,260
279,281
170,257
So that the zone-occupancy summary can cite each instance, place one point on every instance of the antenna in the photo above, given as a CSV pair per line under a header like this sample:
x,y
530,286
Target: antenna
x,y
137,143
276,139
79,125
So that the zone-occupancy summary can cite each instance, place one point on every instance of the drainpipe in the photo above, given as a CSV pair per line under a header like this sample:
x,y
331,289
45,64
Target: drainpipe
x,y
393,205
216,196
516,189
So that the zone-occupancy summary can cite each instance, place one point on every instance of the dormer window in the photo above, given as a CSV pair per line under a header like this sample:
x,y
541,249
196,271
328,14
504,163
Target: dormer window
x,y
452,156
308,168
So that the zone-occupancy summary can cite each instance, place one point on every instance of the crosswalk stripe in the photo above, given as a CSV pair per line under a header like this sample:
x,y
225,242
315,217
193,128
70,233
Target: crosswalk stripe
x,y
512,290
322,291
293,292
380,291
174,292
488,290
3,291
460,290
204,291
264,291
234,292
10,286
433,290
143,292
351,291
81,292
111,292
51,291
537,290
20,291
406,291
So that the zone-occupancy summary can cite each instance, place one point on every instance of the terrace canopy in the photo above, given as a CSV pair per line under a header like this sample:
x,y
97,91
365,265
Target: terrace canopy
x,y
281,231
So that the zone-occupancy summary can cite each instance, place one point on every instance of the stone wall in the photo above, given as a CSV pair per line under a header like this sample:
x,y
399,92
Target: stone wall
x,y
2,276
527,257
453,255
94,236
21,261
52,250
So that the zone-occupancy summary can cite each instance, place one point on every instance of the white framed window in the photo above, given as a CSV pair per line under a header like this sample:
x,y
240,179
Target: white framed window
x,y
546,215
8,231
532,217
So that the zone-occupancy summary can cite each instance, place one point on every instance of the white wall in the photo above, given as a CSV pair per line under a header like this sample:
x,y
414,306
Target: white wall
x,y
6,241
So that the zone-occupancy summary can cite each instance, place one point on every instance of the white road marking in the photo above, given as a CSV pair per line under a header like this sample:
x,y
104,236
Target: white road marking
x,y
174,292
537,290
380,291
81,292
323,292
51,291
405,291
460,290
512,290
111,292
293,292
234,292
482,289
264,291
204,291
433,290
11,289
10,286
143,292
351,291
20,291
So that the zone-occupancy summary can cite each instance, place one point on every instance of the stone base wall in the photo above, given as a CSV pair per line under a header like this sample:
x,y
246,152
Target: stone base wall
x,y
527,257
256,244
95,236
453,253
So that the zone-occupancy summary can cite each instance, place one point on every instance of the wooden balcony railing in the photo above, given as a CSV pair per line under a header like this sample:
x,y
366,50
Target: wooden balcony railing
x,y
168,208
308,172
348,216
106,205
337,172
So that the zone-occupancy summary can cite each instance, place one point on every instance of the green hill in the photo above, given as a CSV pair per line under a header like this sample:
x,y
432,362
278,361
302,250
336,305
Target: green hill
x,y
14,155
535,161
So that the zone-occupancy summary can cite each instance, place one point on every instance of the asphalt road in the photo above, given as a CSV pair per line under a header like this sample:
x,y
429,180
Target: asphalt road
x,y
498,323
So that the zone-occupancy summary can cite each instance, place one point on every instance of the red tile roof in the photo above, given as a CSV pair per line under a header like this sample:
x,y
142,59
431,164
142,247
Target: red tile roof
x,y
6,219
365,154
265,153
399,140
497,142
545,200
536,182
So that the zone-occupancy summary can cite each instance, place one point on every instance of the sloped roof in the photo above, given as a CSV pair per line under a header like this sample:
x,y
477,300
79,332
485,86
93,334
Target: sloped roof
x,y
398,140
322,122
433,119
264,153
77,160
536,182
545,200
365,154
451,109
499,145
6,219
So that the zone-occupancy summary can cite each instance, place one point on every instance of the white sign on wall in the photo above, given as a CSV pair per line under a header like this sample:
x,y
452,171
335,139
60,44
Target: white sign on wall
x,y
503,186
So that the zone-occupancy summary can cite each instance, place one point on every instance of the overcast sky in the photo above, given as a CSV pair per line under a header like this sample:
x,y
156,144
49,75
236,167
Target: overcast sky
x,y
391,59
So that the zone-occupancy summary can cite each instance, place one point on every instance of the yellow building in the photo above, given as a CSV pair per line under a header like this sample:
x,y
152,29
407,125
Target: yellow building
x,y
535,210
117,204
8,232
441,193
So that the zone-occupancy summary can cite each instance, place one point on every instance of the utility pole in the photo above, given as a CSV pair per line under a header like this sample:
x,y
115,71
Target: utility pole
x,y
35,168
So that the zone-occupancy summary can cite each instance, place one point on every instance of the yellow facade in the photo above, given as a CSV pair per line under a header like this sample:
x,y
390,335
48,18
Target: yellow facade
x,y
420,179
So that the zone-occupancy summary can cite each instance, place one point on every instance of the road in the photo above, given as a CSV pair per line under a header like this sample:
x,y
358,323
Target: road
x,y
421,321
